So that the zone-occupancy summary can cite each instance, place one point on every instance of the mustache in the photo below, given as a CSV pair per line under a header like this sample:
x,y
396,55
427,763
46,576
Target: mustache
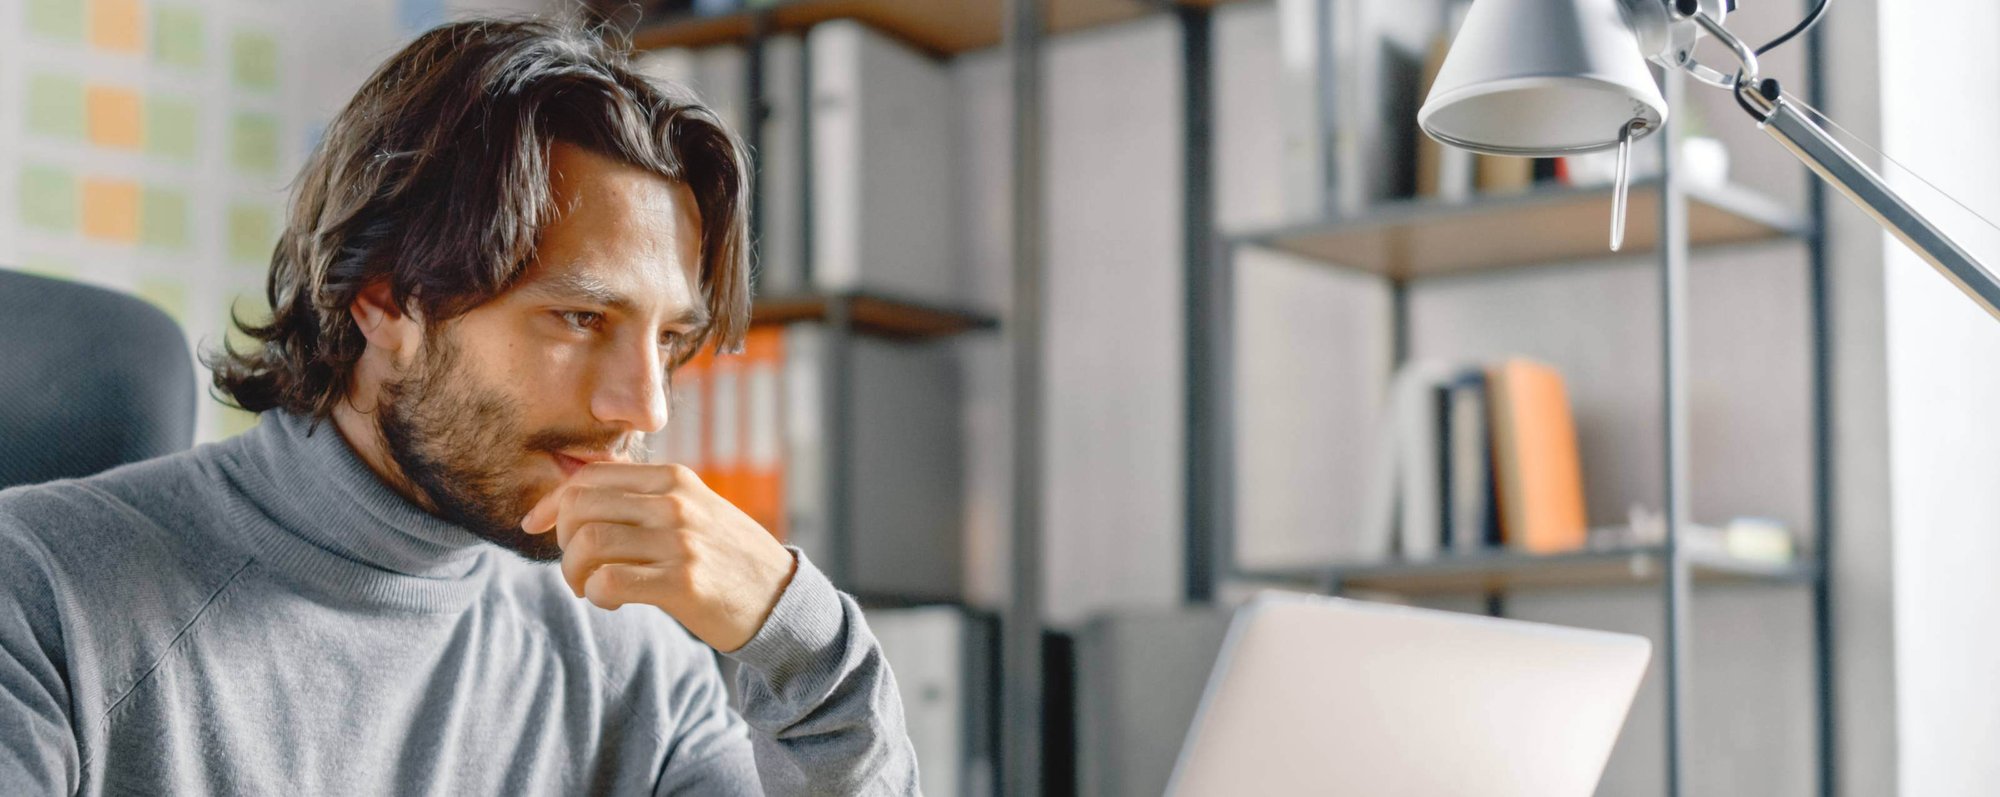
x,y
629,447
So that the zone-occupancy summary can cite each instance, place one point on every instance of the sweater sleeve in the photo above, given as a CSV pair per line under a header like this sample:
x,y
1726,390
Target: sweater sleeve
x,y
38,748
822,706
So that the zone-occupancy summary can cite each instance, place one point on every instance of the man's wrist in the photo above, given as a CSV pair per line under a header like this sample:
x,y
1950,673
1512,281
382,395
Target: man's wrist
x,y
802,630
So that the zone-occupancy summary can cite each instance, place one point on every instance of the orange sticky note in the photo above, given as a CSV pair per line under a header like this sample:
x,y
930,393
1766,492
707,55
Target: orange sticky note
x,y
115,117
118,25
111,209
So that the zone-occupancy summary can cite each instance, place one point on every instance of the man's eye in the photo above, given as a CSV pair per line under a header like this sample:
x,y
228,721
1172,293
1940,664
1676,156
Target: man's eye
x,y
581,319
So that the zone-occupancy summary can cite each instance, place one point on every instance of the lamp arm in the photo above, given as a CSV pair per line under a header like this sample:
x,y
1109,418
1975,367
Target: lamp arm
x,y
1814,146
1840,168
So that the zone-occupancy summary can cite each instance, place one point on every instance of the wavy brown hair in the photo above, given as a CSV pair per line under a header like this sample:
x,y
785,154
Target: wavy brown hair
x,y
435,177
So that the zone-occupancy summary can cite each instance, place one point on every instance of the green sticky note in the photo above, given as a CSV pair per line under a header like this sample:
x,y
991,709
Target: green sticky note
x,y
49,265
48,198
57,19
163,218
55,106
166,294
177,35
253,60
173,128
252,231
253,142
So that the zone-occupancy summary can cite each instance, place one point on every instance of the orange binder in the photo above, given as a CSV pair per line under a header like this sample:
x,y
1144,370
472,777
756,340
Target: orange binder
x,y
1538,473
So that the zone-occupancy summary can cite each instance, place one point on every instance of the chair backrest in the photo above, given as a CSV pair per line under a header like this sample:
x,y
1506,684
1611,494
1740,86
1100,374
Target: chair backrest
x,y
89,379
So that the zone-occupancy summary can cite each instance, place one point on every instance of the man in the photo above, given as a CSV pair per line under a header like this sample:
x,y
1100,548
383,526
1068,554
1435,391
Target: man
x,y
493,261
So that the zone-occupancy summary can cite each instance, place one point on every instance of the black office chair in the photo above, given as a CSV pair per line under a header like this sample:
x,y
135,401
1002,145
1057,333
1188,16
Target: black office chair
x,y
89,379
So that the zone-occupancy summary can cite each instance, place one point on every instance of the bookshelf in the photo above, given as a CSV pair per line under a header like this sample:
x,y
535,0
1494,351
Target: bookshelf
x,y
1417,238
940,27
872,314
1407,241
1500,570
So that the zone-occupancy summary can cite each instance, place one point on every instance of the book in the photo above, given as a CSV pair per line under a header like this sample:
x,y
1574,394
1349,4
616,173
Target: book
x,y
1465,454
1538,473
1408,504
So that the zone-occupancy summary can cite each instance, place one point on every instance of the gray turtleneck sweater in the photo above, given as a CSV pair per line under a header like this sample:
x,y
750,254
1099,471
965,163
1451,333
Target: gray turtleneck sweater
x,y
264,616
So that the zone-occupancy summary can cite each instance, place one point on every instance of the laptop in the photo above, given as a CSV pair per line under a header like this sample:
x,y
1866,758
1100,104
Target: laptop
x,y
1317,695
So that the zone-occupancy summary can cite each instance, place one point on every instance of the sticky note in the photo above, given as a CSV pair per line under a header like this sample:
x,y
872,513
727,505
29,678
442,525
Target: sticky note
x,y
49,265
55,106
117,25
114,117
172,128
253,60
253,143
48,198
163,218
252,232
167,294
177,35
111,209
56,19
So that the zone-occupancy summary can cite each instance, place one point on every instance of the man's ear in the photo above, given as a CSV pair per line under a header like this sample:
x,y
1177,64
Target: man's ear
x,y
384,324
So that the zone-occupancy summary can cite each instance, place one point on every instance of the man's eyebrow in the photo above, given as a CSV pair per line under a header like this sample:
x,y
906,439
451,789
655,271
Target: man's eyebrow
x,y
585,288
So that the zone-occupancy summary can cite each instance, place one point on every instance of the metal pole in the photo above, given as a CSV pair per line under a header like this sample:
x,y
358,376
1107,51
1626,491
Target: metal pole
x,y
757,111
1673,335
1206,453
1823,446
1021,688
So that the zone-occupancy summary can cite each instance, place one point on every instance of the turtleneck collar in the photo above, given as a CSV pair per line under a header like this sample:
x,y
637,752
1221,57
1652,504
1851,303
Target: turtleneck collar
x,y
314,510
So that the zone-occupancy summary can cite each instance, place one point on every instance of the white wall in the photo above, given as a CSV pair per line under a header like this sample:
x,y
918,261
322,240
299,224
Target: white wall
x,y
1944,386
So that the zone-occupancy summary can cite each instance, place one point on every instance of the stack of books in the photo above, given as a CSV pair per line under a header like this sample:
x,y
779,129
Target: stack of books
x,y
1482,456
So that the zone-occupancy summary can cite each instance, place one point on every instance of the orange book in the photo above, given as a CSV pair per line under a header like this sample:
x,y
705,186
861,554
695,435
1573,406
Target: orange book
x,y
1539,477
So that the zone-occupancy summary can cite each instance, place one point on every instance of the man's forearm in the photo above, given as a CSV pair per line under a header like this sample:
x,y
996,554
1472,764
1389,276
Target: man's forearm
x,y
822,705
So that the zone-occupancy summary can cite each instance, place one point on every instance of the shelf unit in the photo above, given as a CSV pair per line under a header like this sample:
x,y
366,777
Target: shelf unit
x,y
1419,238
940,27
1412,240
1499,571
871,314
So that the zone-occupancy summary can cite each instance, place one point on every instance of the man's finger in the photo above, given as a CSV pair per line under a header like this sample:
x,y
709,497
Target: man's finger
x,y
627,476
586,504
615,585
598,543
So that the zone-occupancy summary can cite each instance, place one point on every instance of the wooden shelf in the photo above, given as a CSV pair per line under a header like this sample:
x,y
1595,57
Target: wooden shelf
x,y
942,27
1502,571
872,314
1424,238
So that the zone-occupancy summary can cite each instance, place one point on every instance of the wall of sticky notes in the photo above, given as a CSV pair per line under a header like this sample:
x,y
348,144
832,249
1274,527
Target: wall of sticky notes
x,y
147,145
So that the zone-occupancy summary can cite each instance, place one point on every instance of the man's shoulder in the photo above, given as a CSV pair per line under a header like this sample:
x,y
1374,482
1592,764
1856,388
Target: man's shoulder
x,y
145,521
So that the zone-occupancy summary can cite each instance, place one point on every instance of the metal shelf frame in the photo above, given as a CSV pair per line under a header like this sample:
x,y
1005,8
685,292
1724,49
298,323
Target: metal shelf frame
x,y
1670,567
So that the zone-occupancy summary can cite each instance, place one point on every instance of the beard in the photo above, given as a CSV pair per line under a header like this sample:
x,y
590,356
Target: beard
x,y
462,448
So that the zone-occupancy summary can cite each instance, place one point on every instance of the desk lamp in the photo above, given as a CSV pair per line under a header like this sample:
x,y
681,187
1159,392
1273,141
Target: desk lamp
x,y
1542,78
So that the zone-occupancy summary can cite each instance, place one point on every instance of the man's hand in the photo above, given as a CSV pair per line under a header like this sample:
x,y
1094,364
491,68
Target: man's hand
x,y
654,534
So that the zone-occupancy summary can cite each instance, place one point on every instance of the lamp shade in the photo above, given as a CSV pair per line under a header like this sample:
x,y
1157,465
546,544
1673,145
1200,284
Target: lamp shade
x,y
1542,78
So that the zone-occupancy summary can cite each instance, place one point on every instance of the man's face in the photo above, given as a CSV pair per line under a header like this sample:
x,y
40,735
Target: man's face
x,y
566,367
